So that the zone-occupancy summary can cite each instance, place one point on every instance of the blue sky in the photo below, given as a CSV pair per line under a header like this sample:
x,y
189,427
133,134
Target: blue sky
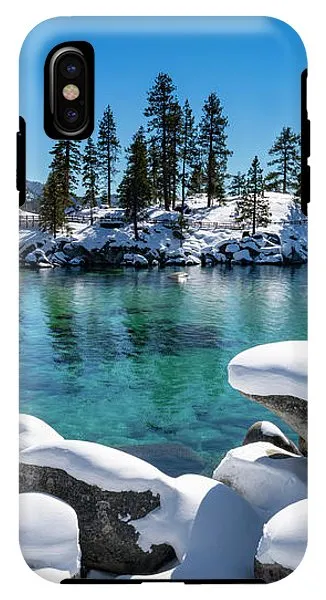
x,y
253,64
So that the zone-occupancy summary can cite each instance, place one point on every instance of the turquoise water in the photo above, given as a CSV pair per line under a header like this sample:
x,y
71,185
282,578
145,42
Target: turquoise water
x,y
131,358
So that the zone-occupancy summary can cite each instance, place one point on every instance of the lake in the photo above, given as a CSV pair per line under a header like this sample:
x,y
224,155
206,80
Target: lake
x,y
133,359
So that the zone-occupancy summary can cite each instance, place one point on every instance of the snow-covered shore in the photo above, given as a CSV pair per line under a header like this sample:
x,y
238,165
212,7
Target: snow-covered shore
x,y
248,520
206,238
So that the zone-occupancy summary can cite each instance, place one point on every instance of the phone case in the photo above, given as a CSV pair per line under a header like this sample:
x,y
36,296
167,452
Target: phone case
x,y
163,306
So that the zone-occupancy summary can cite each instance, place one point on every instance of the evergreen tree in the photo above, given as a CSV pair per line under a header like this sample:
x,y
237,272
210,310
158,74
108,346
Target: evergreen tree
x,y
108,150
90,175
174,139
213,143
197,178
155,171
161,105
134,190
238,184
188,148
70,165
286,164
54,198
253,207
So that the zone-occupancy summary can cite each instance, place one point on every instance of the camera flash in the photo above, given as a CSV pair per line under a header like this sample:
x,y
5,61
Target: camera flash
x,y
70,91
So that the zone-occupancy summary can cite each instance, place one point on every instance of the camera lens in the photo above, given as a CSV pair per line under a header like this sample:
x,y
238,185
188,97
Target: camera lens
x,y
71,115
70,67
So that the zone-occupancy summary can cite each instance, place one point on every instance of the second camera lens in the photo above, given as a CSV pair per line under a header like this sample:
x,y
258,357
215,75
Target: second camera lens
x,y
71,115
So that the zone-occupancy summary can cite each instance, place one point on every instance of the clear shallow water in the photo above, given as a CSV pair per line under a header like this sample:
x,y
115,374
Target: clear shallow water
x,y
129,358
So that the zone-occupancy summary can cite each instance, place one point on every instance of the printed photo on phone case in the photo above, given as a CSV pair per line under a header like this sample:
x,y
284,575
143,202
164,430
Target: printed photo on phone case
x,y
163,306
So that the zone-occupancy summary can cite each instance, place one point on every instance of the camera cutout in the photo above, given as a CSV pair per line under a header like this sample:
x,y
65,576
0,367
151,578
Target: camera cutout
x,y
69,91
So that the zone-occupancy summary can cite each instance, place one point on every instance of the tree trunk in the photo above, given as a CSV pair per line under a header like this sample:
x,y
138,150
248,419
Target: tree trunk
x,y
164,165
183,184
109,167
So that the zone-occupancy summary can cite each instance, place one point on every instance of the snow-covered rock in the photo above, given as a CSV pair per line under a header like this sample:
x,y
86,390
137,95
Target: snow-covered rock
x,y
31,259
60,258
283,543
279,368
243,256
135,260
108,489
233,247
48,533
268,477
265,431
222,542
276,376
34,431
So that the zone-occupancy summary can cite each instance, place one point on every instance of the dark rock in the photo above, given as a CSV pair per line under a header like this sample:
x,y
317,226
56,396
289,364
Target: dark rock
x,y
108,542
292,410
303,446
256,433
270,572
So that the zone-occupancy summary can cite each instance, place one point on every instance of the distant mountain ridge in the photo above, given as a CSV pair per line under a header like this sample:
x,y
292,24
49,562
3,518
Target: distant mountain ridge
x,y
34,191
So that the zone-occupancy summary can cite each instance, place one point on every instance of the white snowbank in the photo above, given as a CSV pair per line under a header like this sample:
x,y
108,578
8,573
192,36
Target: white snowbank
x,y
284,539
48,533
34,431
271,369
172,523
223,540
268,483
269,429
53,575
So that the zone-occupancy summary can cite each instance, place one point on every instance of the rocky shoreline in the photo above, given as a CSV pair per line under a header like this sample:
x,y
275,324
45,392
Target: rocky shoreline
x,y
248,520
260,249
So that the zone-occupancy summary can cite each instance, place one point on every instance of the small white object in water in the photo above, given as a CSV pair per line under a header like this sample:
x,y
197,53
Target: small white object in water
x,y
179,276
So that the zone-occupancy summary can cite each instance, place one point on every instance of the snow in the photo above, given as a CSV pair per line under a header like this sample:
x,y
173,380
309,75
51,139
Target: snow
x,y
268,477
242,255
48,533
269,429
53,575
279,368
34,431
159,236
284,539
223,540
117,471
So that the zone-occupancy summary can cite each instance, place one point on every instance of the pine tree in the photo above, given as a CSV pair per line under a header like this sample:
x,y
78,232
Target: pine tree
x,y
155,171
174,139
188,149
108,150
134,190
90,175
161,104
70,165
286,164
53,200
213,143
253,207
237,185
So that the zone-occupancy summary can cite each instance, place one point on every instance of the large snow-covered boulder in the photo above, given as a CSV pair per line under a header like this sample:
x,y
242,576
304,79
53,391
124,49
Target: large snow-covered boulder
x,y
264,431
268,477
49,536
242,257
283,543
275,375
223,539
108,489
34,431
